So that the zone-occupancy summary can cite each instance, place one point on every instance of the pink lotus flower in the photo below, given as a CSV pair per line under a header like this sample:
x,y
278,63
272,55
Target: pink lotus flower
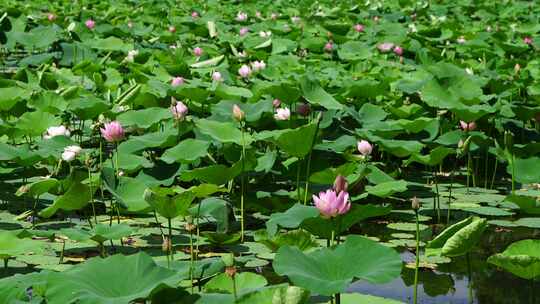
x,y
130,24
90,24
273,16
398,50
461,40
364,147
244,71
179,110
329,46
282,114
238,114
216,76
331,204
241,17
112,131
243,31
303,109
258,14
172,29
197,51
194,15
359,28
276,103
51,17
467,127
258,65
527,40
176,81
385,47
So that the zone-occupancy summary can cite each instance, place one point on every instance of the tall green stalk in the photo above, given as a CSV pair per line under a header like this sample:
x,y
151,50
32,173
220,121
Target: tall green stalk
x,y
417,259
242,181
308,169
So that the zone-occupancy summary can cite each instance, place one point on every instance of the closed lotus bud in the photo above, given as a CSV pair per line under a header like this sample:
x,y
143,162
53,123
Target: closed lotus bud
x,y
340,184
415,203
51,17
398,50
359,28
197,51
517,68
230,271
527,40
172,29
304,109
166,245
464,145
364,147
238,114
329,46
276,103
90,24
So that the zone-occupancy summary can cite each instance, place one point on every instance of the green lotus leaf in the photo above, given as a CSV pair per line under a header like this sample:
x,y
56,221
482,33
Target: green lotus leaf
x,y
330,270
11,245
354,298
297,142
459,238
144,118
297,238
292,218
224,132
167,203
107,281
187,151
315,94
76,197
223,283
521,258
99,233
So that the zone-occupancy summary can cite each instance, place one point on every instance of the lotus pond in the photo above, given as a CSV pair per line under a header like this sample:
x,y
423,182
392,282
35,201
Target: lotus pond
x,y
280,152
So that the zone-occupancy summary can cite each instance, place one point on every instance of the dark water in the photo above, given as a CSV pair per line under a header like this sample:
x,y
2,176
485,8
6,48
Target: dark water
x,y
449,283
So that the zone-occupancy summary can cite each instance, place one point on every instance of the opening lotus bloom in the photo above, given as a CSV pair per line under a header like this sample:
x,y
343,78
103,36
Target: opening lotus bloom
x,y
467,126
70,153
216,76
364,147
359,28
176,81
56,131
398,50
241,16
244,71
331,204
90,23
197,51
243,31
179,110
258,65
282,114
113,131
527,40
385,47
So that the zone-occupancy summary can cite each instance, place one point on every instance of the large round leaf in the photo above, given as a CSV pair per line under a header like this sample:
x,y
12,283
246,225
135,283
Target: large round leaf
x,y
330,270
520,258
117,279
459,238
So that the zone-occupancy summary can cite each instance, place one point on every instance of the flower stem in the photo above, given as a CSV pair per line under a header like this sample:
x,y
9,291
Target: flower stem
x,y
191,258
170,240
417,262
242,189
234,289
92,195
308,169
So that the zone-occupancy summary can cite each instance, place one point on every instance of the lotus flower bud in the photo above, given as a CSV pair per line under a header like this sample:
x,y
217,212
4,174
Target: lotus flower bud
x,y
508,139
359,28
194,15
332,204
113,131
329,46
340,184
130,24
258,65
415,203
295,19
166,246
258,14
276,103
376,18
303,109
461,40
230,271
244,71
179,110
90,24
273,16
517,68
398,50
238,114
176,81
243,31
364,147
172,29
216,76
385,47
51,17
70,153
527,40
197,51
282,114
